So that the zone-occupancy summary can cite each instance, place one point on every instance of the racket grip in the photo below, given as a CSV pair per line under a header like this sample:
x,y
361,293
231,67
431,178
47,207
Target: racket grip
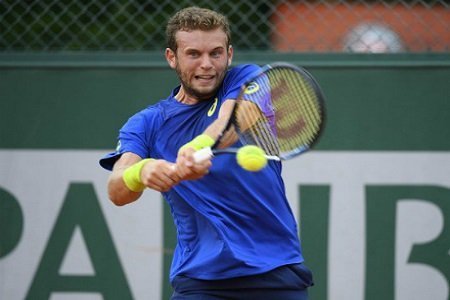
x,y
203,154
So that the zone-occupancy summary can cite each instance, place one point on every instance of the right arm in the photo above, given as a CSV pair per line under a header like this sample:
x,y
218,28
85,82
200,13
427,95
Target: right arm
x,y
118,192
159,175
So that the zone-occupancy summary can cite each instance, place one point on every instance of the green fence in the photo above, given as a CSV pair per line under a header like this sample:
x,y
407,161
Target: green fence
x,y
407,96
288,26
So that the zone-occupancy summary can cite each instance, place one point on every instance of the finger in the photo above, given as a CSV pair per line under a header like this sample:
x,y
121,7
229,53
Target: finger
x,y
180,168
174,173
160,176
186,157
156,185
185,151
189,159
203,167
162,183
169,173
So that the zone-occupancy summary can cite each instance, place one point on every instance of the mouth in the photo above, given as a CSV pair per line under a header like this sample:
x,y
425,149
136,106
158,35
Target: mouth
x,y
204,78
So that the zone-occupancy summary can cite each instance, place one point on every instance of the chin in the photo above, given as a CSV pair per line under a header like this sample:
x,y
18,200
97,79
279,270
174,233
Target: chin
x,y
206,94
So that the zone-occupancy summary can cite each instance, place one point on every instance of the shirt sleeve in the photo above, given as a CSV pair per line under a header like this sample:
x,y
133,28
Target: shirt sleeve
x,y
136,136
237,77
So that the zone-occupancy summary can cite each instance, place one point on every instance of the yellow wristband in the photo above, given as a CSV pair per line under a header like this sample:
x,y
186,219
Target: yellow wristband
x,y
132,176
200,142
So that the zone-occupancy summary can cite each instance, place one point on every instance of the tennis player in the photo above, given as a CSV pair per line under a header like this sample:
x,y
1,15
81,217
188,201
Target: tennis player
x,y
237,236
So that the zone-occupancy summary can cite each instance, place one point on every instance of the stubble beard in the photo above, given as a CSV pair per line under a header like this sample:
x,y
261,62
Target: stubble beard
x,y
193,92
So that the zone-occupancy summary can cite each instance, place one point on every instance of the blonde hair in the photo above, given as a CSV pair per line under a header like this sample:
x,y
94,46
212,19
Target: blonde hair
x,y
195,18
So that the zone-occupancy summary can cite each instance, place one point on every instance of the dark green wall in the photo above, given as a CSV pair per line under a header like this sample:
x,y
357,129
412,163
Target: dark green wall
x,y
79,101
375,102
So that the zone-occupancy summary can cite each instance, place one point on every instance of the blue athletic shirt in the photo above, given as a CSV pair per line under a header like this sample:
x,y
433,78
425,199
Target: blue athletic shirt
x,y
231,222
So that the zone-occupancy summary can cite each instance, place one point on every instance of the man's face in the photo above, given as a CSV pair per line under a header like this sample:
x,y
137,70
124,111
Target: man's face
x,y
201,61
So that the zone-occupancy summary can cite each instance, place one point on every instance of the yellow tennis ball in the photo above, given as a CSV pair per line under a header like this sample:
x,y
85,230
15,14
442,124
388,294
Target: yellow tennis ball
x,y
251,158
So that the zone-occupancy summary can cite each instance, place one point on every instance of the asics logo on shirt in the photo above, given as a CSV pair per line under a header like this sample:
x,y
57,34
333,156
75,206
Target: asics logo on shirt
x,y
119,145
213,107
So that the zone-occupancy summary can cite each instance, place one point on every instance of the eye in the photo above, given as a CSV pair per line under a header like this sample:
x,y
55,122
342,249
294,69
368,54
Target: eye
x,y
216,53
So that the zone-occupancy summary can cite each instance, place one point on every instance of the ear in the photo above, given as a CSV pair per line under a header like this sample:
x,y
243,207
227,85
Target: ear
x,y
171,58
230,54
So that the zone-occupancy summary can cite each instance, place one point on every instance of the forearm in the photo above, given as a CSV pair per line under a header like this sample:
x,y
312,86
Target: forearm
x,y
131,175
216,128
118,192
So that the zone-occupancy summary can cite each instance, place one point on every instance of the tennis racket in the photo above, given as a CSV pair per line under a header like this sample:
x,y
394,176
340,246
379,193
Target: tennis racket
x,y
280,110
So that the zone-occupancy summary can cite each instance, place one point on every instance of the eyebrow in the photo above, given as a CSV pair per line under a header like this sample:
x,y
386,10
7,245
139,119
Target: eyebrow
x,y
197,50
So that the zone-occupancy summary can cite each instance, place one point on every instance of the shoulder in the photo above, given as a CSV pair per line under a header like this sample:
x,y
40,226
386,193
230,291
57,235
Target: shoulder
x,y
156,111
235,78
149,113
243,71
149,117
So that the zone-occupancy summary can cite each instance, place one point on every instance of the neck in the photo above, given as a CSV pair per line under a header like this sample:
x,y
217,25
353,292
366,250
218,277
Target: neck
x,y
185,98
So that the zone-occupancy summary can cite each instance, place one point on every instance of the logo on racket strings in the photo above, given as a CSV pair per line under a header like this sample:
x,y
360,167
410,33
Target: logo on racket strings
x,y
251,88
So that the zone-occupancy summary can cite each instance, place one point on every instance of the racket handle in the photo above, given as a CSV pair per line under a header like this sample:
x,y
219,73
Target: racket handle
x,y
203,154
272,157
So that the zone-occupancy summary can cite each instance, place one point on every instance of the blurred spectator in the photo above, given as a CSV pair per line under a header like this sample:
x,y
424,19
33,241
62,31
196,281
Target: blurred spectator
x,y
373,38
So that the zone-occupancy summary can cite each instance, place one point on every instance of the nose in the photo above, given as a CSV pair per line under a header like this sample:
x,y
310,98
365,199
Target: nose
x,y
206,62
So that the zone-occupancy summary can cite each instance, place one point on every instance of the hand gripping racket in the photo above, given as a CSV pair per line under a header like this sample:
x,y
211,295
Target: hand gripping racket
x,y
280,110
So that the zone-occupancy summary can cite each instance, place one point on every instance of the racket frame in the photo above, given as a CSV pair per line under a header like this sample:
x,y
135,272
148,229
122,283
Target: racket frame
x,y
232,118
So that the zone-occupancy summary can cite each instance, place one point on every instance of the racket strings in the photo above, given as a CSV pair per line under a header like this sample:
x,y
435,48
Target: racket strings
x,y
297,110
310,111
255,127
265,130
281,114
